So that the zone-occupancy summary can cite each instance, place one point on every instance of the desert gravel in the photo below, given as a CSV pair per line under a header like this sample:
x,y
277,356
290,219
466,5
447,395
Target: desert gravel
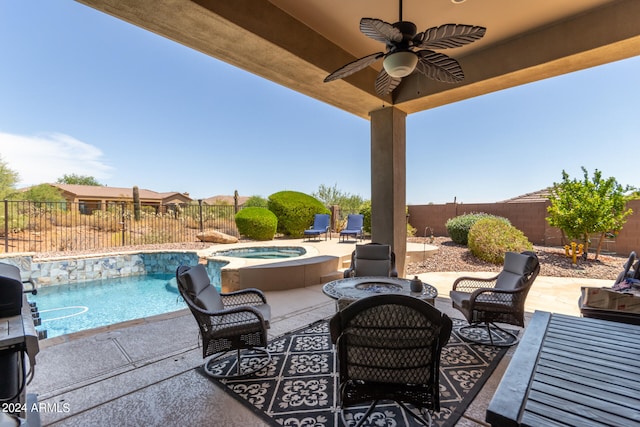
x,y
553,262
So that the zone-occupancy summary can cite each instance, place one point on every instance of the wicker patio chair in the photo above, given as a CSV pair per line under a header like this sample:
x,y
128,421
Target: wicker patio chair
x,y
500,299
372,259
227,321
388,348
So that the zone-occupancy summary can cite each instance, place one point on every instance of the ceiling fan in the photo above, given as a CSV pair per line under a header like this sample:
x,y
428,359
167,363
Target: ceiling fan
x,y
407,50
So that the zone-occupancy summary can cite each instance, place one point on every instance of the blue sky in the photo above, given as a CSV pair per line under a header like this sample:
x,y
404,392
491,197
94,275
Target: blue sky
x,y
82,92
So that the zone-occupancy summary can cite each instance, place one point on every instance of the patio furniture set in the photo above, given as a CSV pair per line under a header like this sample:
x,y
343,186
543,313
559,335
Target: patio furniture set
x,y
387,333
388,338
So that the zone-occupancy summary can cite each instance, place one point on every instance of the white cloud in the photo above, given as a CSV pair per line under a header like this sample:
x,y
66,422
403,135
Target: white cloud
x,y
47,157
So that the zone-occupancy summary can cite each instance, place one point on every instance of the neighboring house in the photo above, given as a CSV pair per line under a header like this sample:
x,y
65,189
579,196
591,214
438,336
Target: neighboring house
x,y
536,196
91,197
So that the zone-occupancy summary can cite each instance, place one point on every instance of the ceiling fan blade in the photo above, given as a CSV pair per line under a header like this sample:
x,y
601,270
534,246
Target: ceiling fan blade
x,y
449,36
385,84
353,67
380,30
438,66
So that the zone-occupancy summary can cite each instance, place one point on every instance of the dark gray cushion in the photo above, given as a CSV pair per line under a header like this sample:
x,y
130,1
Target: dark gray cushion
x,y
368,267
516,268
199,287
265,310
380,252
373,260
460,299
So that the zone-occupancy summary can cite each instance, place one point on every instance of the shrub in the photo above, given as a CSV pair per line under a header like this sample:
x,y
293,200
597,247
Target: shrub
x,y
256,202
256,223
295,211
459,226
365,210
491,237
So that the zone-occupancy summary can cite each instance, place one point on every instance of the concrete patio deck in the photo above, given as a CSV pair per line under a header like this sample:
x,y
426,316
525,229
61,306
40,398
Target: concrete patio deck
x,y
142,373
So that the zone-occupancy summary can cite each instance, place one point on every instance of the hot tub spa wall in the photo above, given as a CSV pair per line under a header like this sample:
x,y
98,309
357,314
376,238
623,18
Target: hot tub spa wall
x,y
80,269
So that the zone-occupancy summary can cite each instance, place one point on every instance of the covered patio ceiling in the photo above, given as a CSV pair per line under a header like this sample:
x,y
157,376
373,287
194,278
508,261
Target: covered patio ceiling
x,y
297,43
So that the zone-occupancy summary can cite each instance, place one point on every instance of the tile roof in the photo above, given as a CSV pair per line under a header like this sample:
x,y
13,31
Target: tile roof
x,y
95,191
536,196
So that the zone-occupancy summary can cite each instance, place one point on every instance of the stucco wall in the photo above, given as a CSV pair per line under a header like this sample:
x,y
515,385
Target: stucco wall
x,y
526,216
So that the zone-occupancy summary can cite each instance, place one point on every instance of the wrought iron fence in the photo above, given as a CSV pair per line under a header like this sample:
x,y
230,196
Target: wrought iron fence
x,y
28,226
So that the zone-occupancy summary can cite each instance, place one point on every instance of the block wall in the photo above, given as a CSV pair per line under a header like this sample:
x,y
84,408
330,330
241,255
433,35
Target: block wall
x,y
529,217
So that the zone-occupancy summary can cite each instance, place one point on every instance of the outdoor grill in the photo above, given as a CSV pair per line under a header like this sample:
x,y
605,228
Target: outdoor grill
x,y
18,349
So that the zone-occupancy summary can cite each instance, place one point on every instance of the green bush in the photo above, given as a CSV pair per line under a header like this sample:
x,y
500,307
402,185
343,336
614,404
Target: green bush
x,y
491,237
256,202
365,211
459,226
295,211
256,223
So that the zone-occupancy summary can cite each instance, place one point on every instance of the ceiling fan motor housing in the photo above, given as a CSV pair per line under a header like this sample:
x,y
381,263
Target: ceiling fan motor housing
x,y
408,30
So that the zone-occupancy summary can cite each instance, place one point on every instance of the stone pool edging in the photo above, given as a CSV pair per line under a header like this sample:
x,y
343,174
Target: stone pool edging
x,y
71,269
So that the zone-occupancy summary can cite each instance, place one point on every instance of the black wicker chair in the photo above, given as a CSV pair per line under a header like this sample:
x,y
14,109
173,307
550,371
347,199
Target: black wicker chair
x,y
500,299
228,321
388,348
372,259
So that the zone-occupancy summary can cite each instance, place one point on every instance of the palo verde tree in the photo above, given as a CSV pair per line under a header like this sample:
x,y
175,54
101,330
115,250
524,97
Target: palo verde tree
x,y
588,206
330,196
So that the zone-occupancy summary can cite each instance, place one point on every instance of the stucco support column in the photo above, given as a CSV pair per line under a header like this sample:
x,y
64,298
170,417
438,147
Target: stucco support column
x,y
388,181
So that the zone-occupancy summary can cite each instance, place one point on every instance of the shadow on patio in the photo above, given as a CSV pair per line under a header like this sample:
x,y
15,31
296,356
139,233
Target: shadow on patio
x,y
143,374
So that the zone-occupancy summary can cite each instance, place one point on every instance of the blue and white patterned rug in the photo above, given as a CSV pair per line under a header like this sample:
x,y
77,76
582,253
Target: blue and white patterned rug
x,y
299,388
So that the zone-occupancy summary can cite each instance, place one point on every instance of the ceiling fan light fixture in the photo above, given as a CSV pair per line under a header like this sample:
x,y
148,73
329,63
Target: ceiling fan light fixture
x,y
400,64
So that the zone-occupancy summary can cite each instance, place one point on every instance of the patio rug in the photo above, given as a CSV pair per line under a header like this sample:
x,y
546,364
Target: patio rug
x,y
299,387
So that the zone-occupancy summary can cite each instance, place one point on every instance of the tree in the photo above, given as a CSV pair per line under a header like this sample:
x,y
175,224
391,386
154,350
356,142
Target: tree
x,y
330,196
256,202
43,193
8,180
78,180
581,208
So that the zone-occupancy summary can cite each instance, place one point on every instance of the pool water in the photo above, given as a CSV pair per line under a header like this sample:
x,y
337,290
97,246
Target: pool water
x,y
268,252
75,307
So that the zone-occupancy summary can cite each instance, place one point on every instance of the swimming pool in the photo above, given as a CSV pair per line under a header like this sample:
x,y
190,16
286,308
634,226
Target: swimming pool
x,y
265,252
75,307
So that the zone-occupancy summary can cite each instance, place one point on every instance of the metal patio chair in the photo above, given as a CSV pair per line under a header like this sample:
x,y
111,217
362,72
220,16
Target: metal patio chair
x,y
500,299
354,227
372,259
388,348
228,321
321,225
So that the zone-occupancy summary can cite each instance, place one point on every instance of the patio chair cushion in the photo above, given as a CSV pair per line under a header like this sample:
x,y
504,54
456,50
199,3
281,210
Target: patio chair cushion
x,y
373,252
368,267
202,292
482,302
516,270
373,260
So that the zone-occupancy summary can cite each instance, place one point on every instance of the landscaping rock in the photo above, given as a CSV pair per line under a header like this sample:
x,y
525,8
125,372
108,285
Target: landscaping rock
x,y
212,236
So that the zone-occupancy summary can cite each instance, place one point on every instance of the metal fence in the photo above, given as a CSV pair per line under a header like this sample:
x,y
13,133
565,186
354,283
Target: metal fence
x,y
28,226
